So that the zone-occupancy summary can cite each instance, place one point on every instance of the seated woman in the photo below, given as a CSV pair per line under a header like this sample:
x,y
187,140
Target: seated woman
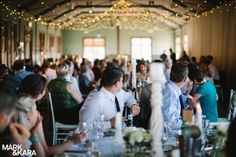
x,y
142,73
10,133
205,70
143,119
65,97
205,94
27,115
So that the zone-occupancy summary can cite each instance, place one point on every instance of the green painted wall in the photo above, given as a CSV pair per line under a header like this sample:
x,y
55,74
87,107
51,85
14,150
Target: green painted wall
x,y
161,41
73,41
38,58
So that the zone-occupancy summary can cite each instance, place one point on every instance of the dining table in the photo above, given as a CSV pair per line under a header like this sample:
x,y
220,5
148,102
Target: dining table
x,y
106,147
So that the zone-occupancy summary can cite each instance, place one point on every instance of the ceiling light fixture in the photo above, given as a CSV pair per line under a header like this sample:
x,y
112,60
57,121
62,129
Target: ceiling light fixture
x,y
125,15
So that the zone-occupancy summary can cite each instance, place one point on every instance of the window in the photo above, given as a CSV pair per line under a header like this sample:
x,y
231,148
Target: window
x,y
94,48
141,48
178,47
186,43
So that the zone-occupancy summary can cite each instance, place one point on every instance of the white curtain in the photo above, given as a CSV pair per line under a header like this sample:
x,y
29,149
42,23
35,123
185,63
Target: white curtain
x,y
215,34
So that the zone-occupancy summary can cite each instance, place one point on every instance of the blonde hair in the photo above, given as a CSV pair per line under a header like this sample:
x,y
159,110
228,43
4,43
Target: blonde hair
x,y
24,105
62,69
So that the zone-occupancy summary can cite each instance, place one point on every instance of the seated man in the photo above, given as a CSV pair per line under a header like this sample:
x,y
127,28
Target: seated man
x,y
174,101
109,100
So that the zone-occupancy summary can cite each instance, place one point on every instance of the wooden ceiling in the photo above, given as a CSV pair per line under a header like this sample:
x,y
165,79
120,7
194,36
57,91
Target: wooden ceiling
x,y
174,12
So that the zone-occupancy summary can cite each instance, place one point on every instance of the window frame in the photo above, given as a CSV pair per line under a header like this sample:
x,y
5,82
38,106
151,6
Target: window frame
x,y
141,38
178,53
186,43
93,37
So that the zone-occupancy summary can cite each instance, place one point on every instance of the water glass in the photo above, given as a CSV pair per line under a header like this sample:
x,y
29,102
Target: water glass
x,y
98,127
117,149
165,133
85,127
93,149
206,125
169,136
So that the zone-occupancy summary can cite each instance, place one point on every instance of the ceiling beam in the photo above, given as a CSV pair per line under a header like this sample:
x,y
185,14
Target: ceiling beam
x,y
181,3
109,6
28,4
53,7
84,12
37,5
11,4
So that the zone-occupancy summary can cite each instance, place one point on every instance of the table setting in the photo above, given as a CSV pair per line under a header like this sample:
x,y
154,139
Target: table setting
x,y
198,137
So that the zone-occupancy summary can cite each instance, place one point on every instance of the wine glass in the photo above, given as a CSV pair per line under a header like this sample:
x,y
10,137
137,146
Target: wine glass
x,y
234,99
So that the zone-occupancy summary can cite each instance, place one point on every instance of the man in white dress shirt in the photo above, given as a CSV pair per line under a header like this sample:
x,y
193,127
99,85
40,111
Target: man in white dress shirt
x,y
104,101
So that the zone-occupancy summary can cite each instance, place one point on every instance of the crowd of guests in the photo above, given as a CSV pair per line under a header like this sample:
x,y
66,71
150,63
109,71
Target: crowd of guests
x,y
194,81
84,91
68,92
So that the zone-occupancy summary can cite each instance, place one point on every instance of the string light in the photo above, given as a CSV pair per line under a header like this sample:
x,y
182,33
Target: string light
x,y
223,6
86,22
123,14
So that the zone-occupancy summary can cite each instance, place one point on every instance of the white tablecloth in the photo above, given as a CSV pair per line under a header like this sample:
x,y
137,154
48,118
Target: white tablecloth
x,y
104,146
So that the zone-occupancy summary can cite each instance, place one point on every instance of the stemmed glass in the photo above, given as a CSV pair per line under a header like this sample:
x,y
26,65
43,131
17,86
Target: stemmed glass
x,y
165,133
234,99
205,134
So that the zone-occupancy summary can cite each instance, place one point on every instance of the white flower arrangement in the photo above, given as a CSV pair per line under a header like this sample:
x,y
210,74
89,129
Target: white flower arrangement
x,y
137,136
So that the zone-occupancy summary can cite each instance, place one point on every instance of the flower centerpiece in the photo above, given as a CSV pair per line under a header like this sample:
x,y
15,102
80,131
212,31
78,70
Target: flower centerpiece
x,y
137,138
217,137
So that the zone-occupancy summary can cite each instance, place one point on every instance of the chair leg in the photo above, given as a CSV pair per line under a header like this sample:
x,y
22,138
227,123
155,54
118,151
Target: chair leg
x,y
55,137
221,91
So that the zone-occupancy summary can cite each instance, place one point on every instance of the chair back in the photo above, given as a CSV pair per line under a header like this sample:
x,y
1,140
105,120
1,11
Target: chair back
x,y
232,105
52,116
60,131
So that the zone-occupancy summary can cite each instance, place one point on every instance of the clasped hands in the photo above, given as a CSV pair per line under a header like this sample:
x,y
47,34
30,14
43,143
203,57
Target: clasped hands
x,y
134,109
